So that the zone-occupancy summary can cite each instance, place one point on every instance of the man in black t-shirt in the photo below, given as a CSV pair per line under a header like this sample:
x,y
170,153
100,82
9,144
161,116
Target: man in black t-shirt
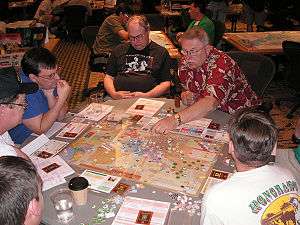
x,y
140,68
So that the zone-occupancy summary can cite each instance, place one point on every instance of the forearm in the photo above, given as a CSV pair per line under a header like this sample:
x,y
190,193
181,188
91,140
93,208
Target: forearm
x,y
63,112
199,109
159,90
49,118
109,85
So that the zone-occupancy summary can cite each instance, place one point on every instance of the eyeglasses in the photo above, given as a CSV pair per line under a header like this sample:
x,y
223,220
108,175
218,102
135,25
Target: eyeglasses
x,y
137,38
192,52
52,75
23,105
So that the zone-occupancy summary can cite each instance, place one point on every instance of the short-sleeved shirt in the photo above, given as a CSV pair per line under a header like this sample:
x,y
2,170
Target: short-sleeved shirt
x,y
6,145
135,70
221,77
206,24
107,38
37,105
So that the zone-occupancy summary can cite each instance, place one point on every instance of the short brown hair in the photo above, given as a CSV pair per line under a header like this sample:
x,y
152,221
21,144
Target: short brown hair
x,y
254,136
141,20
196,32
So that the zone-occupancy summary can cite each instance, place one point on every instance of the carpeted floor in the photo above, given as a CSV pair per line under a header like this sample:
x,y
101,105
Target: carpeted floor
x,y
73,58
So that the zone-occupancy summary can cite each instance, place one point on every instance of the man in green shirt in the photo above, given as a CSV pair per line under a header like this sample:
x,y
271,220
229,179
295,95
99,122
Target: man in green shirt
x,y
196,12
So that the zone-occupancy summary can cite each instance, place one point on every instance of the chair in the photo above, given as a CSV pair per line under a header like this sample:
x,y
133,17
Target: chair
x,y
75,17
88,36
219,31
258,69
292,52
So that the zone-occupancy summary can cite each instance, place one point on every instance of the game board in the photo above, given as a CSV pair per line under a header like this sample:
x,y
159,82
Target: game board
x,y
172,162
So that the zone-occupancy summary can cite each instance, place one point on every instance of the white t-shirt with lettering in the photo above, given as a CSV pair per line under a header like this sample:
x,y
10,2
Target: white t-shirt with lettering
x,y
6,145
263,195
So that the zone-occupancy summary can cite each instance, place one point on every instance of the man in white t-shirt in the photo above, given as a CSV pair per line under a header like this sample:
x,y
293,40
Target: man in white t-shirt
x,y
12,105
257,193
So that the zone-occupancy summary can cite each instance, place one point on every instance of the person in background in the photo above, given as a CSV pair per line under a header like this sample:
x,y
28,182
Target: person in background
x,y
211,80
140,68
255,11
218,9
49,103
20,192
257,193
197,13
112,31
12,106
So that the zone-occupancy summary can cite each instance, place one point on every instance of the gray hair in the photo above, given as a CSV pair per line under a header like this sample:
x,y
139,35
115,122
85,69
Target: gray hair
x,y
196,32
141,20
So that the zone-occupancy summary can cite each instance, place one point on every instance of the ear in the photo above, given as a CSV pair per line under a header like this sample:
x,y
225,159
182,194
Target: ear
x,y
33,78
34,208
231,148
274,150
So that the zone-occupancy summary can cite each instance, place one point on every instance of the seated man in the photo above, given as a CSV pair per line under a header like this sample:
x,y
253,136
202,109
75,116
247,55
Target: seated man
x,y
257,193
12,106
21,196
196,12
49,103
211,79
112,31
140,68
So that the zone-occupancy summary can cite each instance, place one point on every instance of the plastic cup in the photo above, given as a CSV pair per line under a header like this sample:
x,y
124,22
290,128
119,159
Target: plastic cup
x,y
63,203
79,189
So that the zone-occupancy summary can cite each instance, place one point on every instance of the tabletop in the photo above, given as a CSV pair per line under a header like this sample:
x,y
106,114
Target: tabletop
x,y
163,40
261,42
185,209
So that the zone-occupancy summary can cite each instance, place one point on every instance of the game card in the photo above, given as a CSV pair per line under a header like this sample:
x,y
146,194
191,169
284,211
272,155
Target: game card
x,y
72,130
121,188
144,217
51,167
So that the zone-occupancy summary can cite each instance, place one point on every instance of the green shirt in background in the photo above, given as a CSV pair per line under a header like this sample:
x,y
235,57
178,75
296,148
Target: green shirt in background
x,y
207,25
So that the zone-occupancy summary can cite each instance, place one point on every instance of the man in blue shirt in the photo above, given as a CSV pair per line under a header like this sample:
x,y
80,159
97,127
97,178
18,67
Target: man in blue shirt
x,y
49,103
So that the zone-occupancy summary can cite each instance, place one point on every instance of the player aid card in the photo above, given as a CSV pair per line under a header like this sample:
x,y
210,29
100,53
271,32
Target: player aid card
x,y
144,217
121,188
139,107
51,167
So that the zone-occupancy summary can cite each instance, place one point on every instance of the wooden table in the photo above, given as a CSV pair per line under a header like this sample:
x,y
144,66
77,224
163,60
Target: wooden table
x,y
261,42
163,40
51,44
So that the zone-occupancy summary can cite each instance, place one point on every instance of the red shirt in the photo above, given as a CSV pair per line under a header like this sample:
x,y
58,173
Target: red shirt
x,y
219,76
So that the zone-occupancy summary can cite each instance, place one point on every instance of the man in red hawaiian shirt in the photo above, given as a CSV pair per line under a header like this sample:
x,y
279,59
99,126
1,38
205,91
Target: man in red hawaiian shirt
x,y
211,79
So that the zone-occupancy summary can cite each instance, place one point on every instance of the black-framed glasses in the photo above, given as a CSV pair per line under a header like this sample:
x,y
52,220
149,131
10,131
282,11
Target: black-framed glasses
x,y
23,105
137,37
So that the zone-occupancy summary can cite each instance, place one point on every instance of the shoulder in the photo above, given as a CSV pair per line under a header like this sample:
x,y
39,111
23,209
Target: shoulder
x,y
120,49
153,46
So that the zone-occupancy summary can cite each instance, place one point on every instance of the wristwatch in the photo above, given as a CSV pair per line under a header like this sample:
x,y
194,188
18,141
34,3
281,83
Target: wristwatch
x,y
178,119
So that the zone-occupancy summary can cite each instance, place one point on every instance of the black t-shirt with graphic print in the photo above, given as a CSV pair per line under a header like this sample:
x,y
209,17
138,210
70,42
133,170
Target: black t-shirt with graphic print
x,y
135,70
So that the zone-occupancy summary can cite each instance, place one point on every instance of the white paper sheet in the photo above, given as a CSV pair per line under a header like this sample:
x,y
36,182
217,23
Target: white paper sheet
x,y
145,107
95,111
72,130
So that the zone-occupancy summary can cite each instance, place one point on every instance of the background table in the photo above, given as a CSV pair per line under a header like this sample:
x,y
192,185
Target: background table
x,y
163,40
261,42
84,214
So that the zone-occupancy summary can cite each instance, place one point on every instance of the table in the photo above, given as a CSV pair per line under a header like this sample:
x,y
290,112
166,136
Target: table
x,y
83,214
261,42
51,44
163,40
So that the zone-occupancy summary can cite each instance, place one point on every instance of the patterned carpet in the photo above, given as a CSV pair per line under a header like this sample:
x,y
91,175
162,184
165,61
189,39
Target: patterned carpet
x,y
73,58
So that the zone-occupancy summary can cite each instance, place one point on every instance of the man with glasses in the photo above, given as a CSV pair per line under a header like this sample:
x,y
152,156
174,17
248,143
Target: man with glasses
x,y
140,68
211,80
49,103
12,106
